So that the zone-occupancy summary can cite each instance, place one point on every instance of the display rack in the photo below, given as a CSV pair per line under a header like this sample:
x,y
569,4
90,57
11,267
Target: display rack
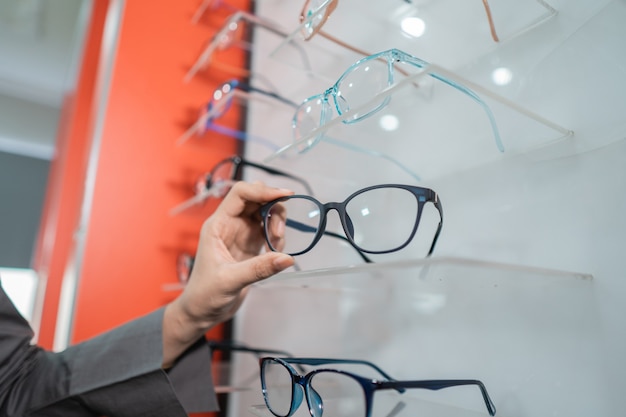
x,y
530,334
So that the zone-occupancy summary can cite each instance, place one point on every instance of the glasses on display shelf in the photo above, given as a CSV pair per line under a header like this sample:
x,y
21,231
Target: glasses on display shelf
x,y
356,87
314,118
233,33
338,393
220,103
218,181
225,353
376,220
210,5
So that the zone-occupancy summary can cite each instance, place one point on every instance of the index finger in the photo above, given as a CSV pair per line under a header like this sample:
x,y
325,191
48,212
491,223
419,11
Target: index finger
x,y
243,193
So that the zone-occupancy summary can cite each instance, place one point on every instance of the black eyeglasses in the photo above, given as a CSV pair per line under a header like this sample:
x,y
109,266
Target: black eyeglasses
x,y
218,181
338,393
378,219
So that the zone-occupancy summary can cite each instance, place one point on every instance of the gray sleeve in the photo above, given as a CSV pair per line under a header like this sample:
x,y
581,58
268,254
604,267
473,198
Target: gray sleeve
x,y
129,361
115,374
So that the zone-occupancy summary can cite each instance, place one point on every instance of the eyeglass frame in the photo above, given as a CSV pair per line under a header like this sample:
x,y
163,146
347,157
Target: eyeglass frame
x,y
422,194
392,56
369,385
411,81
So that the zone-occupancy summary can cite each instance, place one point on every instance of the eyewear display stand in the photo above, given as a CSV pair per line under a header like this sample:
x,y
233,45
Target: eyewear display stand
x,y
418,103
531,335
388,405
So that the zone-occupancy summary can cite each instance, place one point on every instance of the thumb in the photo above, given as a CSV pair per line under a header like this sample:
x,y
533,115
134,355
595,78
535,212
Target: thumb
x,y
260,267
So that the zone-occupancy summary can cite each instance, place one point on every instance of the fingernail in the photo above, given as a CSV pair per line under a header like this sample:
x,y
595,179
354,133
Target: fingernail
x,y
283,261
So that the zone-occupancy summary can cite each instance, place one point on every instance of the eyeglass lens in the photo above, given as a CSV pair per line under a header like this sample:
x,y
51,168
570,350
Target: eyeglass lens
x,y
378,220
354,90
330,393
310,7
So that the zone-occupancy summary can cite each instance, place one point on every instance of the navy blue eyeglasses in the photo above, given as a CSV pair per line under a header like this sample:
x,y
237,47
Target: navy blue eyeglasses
x,y
378,219
338,393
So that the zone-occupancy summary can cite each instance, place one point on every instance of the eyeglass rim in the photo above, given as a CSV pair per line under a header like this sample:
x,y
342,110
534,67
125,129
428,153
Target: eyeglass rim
x,y
328,7
417,191
368,385
303,380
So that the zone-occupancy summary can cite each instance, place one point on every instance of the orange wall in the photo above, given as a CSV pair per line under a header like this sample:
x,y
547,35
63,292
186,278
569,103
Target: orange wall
x,y
132,241
66,177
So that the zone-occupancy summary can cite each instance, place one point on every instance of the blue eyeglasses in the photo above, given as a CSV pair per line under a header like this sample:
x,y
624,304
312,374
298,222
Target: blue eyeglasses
x,y
356,88
220,103
338,393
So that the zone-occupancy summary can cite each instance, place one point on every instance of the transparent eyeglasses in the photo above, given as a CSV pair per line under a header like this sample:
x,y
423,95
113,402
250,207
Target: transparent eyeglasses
x,y
338,393
233,33
368,85
219,180
376,220
356,88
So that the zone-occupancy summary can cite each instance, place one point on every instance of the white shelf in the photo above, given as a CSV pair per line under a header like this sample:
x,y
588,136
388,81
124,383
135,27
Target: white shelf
x,y
530,334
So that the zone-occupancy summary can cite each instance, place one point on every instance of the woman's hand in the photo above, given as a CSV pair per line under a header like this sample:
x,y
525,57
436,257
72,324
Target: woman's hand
x,y
227,262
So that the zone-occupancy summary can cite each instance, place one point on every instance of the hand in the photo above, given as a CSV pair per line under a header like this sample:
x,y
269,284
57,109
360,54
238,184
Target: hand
x,y
227,262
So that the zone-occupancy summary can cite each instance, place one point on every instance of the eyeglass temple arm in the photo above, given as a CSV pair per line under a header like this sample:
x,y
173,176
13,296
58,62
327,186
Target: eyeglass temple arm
x,y
240,135
352,48
439,208
438,384
492,119
308,229
331,361
247,87
227,345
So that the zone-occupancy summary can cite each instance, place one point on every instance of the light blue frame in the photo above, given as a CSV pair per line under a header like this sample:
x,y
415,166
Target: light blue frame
x,y
391,56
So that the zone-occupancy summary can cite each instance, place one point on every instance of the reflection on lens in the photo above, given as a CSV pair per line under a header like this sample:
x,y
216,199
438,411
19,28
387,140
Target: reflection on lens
x,y
383,219
360,85
303,218
278,387
307,118
336,395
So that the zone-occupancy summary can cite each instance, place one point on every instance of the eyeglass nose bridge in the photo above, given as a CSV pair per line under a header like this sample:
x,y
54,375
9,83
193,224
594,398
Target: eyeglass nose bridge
x,y
346,222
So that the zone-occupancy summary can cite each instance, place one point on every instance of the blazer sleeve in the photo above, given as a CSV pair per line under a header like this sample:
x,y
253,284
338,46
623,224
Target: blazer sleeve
x,y
116,374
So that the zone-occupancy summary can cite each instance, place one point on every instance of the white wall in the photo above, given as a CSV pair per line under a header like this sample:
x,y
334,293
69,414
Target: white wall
x,y
542,204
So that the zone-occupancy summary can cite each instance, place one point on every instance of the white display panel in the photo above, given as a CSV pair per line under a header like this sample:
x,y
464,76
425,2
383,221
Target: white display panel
x,y
553,204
